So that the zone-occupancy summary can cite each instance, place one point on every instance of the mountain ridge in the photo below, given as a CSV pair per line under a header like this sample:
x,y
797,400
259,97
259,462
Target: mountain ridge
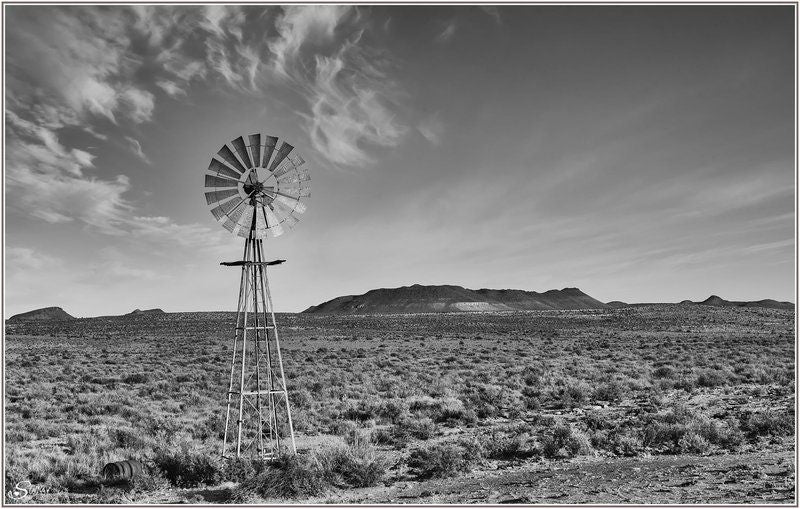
x,y
452,298
154,311
448,298
717,301
52,313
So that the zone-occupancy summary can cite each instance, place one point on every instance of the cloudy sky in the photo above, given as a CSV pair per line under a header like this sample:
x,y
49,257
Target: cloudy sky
x,y
639,153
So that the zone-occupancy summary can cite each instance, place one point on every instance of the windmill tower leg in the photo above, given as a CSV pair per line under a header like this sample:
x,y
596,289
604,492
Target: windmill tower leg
x,y
257,390
237,341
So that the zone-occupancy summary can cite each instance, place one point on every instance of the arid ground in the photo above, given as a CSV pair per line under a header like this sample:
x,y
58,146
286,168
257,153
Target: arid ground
x,y
651,404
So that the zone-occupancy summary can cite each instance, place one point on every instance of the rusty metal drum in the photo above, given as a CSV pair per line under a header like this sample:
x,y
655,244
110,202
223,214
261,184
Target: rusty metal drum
x,y
121,470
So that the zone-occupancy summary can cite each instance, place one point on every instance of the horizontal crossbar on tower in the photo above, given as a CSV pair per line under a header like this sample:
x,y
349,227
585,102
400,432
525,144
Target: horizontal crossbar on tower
x,y
257,393
243,263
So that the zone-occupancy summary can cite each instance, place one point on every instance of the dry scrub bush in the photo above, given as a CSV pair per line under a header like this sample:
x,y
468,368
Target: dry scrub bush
x,y
443,460
570,393
562,441
769,423
186,468
287,477
353,466
296,476
681,430
406,430
507,444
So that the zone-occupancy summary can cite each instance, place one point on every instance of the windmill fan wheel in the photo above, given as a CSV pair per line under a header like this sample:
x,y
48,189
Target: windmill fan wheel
x,y
256,188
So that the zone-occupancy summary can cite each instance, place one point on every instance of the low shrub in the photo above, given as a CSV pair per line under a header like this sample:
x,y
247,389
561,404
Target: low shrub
x,y
487,400
562,441
452,411
664,436
532,375
404,431
442,460
693,443
627,445
354,466
343,428
712,378
296,476
676,430
572,394
128,438
150,480
597,421
609,391
187,469
135,378
768,423
358,438
363,410
289,476
392,410
239,470
503,447
725,434
664,372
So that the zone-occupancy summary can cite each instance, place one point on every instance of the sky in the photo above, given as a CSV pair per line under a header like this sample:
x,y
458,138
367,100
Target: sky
x,y
639,153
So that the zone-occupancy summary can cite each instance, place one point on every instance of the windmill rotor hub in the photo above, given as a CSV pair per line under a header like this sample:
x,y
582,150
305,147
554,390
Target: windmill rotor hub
x,y
250,188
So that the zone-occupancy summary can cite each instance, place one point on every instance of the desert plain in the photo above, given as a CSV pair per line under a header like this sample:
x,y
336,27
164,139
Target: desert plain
x,y
642,404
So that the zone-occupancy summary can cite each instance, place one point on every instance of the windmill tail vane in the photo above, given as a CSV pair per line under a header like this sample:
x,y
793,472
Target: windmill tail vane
x,y
256,190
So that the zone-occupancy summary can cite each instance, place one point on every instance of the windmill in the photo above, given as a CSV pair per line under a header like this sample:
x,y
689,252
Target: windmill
x,y
255,190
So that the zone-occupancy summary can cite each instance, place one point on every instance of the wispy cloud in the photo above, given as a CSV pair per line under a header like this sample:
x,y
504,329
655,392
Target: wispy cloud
x,y
785,244
432,128
76,67
76,57
24,258
447,33
171,88
34,145
64,198
301,25
47,181
348,110
82,58
138,104
349,91
113,263
136,148
494,12
226,53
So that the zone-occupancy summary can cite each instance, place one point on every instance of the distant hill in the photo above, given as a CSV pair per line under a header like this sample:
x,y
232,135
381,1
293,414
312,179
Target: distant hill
x,y
450,298
616,304
155,311
50,314
764,303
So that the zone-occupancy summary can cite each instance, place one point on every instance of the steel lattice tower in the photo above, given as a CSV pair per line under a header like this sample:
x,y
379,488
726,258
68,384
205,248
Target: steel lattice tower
x,y
262,420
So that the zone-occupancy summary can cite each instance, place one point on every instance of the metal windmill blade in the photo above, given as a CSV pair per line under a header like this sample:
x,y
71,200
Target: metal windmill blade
x,y
256,185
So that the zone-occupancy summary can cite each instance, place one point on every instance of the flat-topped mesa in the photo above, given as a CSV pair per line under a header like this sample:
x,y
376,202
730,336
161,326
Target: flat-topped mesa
x,y
451,298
